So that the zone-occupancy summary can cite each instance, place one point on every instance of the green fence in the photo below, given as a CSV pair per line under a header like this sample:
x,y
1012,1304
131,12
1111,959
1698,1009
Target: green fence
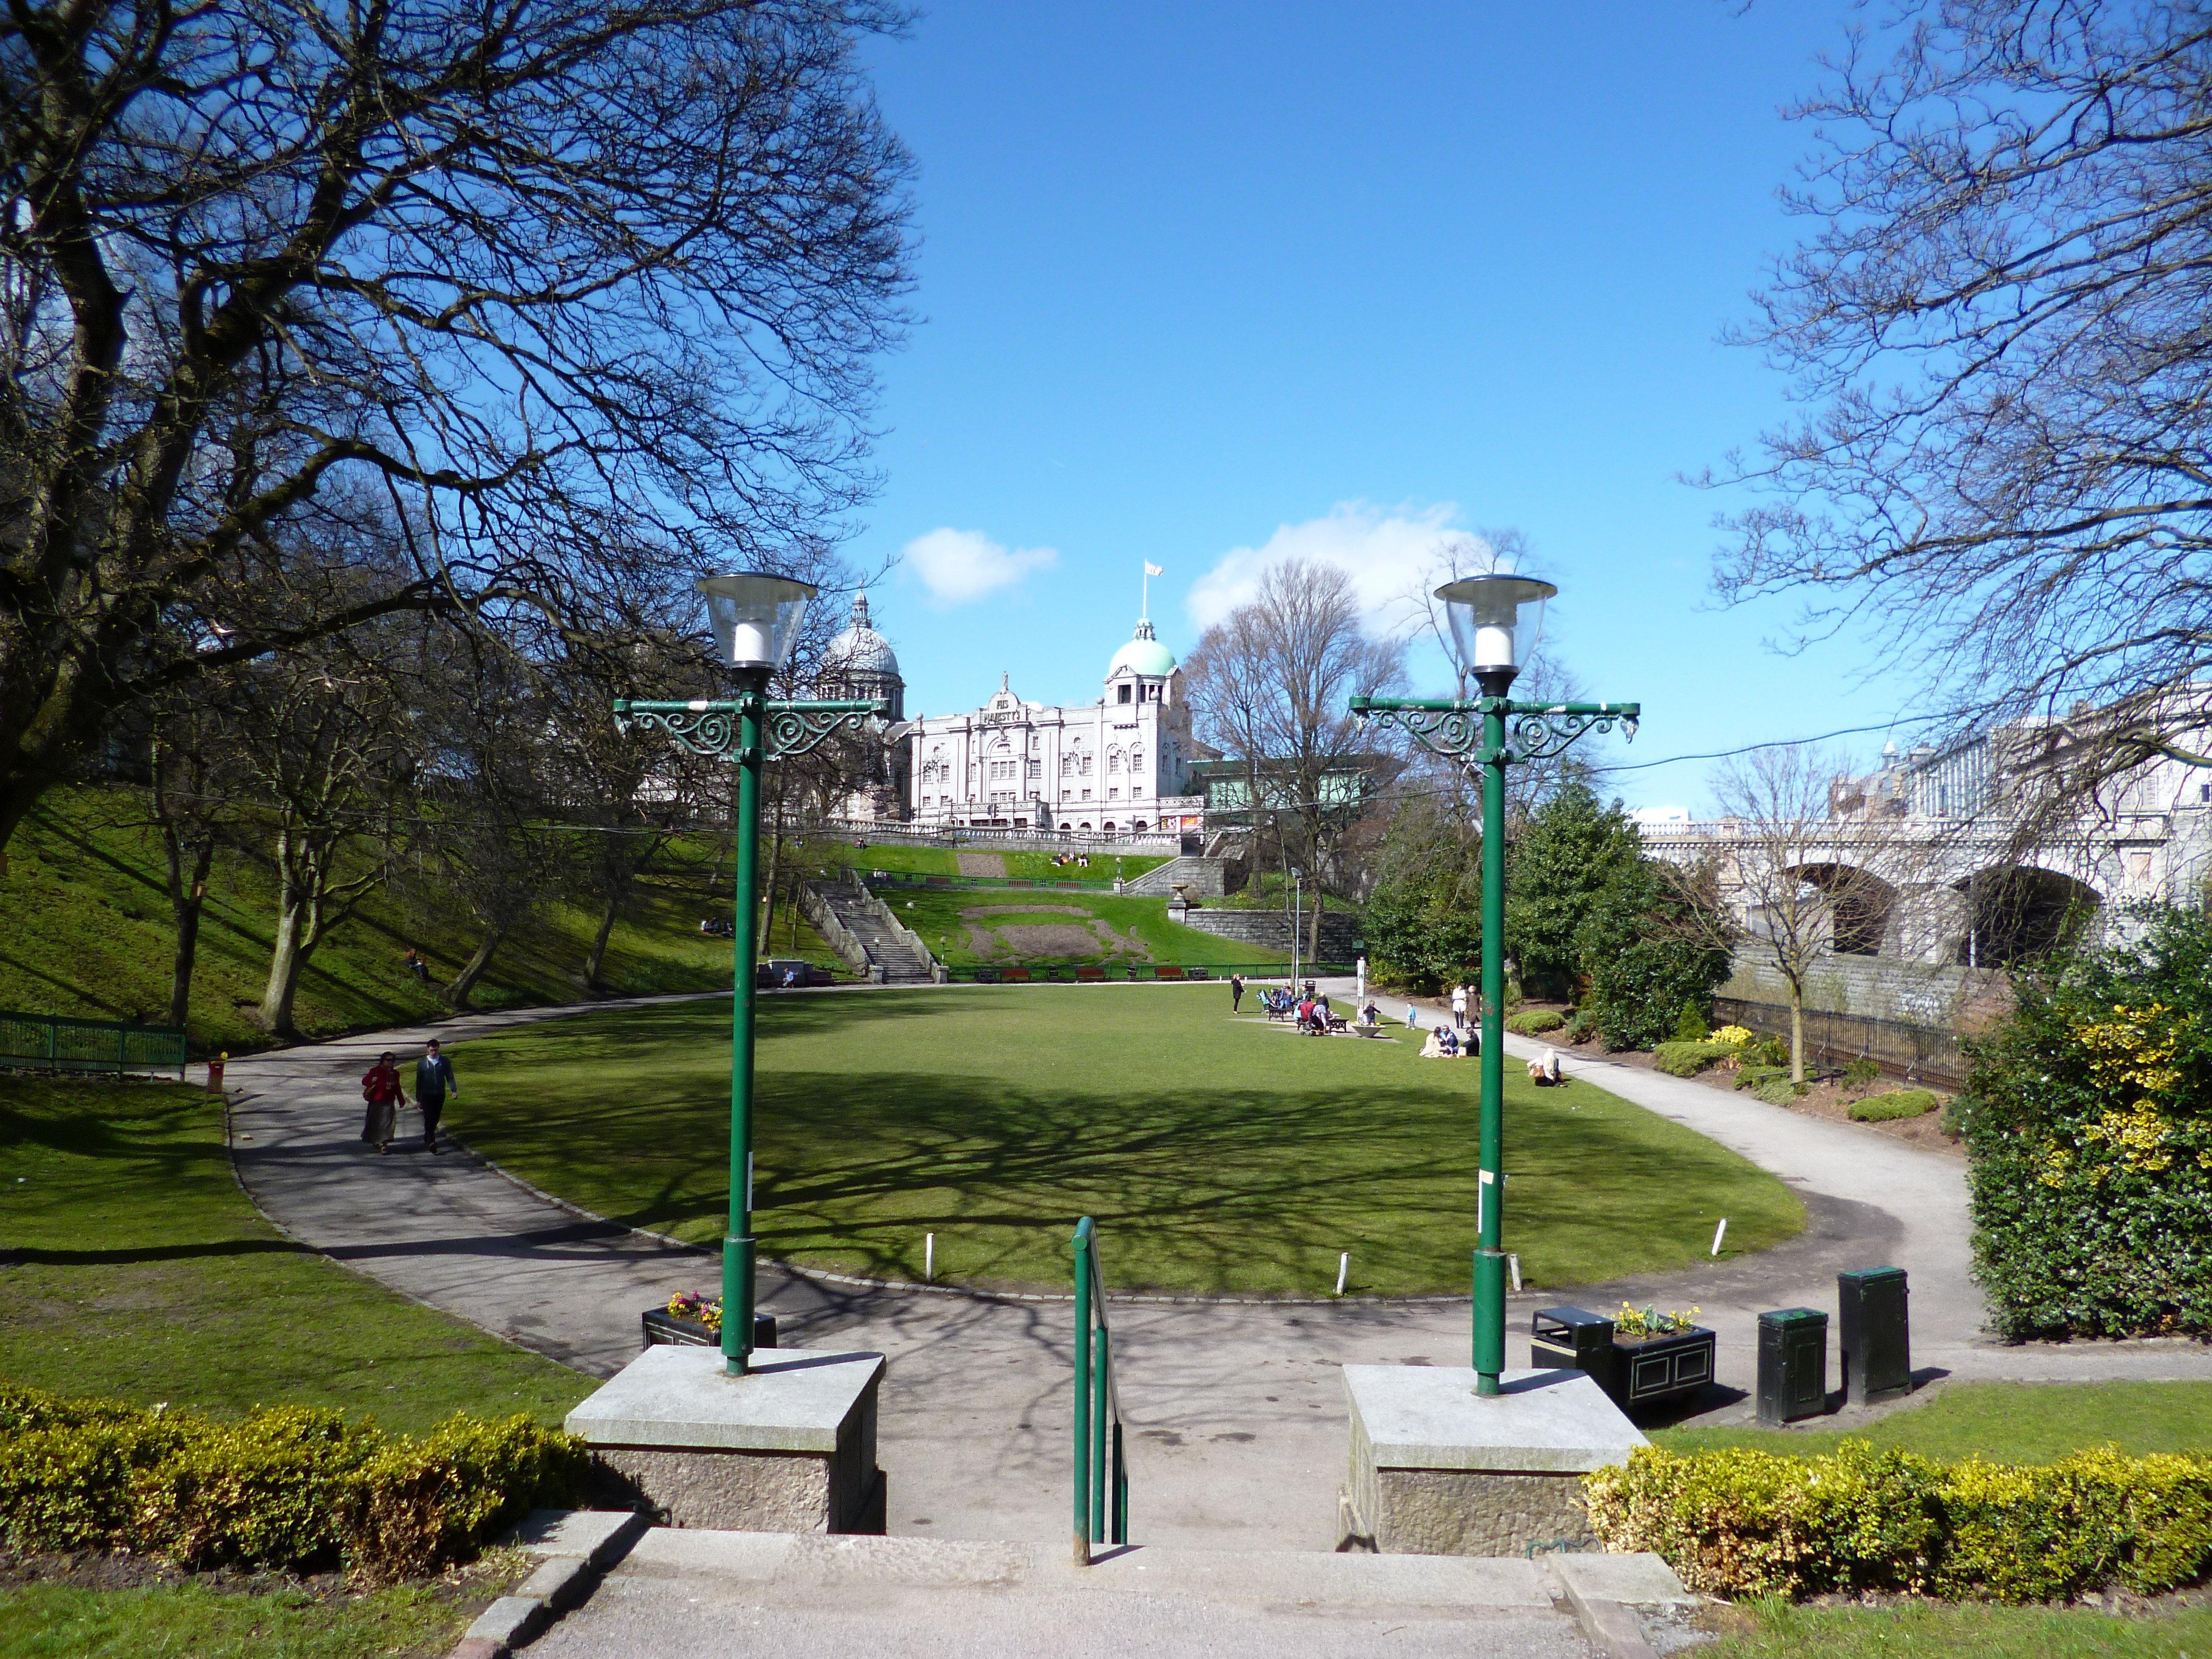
x,y
970,884
48,1042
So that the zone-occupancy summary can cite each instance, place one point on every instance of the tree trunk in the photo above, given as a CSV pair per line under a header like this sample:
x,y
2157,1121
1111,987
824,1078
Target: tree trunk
x,y
1797,1034
457,993
1313,927
775,858
286,959
187,898
598,954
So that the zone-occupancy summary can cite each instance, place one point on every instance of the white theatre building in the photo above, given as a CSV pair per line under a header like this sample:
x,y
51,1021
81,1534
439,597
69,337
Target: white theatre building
x,y
1105,766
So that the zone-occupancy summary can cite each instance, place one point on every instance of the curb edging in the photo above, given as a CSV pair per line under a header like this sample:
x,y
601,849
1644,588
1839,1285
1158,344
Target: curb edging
x,y
562,1581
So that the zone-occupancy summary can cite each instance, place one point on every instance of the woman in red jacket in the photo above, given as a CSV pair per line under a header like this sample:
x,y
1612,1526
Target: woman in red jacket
x,y
379,1087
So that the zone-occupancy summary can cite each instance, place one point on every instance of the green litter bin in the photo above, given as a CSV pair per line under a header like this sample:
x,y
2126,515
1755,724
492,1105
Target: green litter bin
x,y
1793,1364
1873,1334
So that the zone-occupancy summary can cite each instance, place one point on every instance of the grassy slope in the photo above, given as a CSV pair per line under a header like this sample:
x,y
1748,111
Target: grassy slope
x,y
135,1268
1934,1630
1218,1155
937,917
823,856
2005,1422
169,1621
89,933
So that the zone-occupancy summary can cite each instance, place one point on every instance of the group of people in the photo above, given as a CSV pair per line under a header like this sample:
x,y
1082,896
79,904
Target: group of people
x,y
1080,860
381,1089
1445,1043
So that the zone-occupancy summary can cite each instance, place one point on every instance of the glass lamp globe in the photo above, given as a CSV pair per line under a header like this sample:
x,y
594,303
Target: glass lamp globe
x,y
1492,632
755,617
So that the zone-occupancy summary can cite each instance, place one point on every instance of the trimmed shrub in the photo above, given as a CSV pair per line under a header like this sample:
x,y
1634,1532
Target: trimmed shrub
x,y
1861,1073
2087,1118
1737,1035
1881,1108
1748,1076
1692,1027
1688,1059
1535,1022
288,1488
1581,1026
1741,1522
1778,1090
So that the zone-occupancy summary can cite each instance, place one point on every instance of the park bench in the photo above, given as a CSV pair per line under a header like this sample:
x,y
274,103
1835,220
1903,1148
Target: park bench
x,y
1196,972
1167,973
1015,975
1090,975
987,976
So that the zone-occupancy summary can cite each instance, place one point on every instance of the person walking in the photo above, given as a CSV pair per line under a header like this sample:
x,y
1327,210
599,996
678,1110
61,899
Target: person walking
x,y
1235,992
434,1081
1459,1006
379,1087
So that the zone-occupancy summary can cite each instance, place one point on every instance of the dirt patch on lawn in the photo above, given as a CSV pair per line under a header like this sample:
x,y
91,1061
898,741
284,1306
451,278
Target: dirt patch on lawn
x,y
1048,940
981,863
973,912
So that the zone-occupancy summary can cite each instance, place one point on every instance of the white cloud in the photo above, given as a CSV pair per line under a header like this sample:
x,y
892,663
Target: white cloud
x,y
1390,553
957,566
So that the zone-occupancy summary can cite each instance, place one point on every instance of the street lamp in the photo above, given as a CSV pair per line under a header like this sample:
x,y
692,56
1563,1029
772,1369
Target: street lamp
x,y
1297,927
755,619
1492,632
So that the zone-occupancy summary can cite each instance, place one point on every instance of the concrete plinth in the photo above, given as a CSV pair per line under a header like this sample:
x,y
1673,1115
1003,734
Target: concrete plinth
x,y
1437,1470
791,1447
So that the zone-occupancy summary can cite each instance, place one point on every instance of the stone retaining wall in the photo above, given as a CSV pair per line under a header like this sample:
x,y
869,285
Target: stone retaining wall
x,y
1271,929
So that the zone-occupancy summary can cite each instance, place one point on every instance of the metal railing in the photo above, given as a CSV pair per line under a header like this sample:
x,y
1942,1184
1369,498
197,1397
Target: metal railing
x,y
1102,1476
1064,973
51,1043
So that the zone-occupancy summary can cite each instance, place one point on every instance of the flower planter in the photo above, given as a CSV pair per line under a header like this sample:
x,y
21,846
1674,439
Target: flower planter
x,y
1633,1370
664,1328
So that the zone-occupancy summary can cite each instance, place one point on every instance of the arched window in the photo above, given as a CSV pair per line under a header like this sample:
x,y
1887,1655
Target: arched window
x,y
1114,760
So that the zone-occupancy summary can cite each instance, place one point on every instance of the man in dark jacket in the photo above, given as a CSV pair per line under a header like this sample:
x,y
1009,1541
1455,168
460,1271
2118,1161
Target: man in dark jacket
x,y
434,1081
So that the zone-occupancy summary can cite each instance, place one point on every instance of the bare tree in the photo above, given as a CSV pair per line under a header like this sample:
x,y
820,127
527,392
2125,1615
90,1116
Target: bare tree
x,y
1808,886
189,796
1271,685
324,748
1998,319
584,294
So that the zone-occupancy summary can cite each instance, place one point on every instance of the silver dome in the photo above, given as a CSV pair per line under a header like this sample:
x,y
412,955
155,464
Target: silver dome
x,y
859,649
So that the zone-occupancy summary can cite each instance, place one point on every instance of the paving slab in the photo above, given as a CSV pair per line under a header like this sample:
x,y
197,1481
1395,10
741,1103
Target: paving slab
x,y
686,1593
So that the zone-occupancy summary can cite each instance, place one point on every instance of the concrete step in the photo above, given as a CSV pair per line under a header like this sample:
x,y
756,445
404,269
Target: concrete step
x,y
685,1593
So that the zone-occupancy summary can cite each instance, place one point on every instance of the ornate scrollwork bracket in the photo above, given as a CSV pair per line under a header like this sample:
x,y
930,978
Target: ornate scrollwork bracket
x,y
1539,730
712,728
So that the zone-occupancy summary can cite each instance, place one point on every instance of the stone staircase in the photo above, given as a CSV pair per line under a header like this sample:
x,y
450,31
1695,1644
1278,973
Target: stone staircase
x,y
1204,877
888,952
678,1594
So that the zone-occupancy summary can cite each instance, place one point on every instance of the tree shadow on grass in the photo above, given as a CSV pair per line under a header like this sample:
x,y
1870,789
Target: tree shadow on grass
x,y
1215,1190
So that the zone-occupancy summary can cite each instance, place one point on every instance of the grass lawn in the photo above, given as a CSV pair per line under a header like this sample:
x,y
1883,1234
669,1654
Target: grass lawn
x,y
193,1620
93,935
828,855
1934,1630
131,1266
1216,1154
2005,1423
963,928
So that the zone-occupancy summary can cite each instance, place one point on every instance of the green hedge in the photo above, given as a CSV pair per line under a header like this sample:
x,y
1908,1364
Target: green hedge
x,y
1535,1022
1688,1059
2087,1118
1881,1108
1741,1522
289,1487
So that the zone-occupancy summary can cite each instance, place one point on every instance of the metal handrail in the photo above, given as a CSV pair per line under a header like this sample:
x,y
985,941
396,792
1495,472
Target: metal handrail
x,y
1102,1472
55,1042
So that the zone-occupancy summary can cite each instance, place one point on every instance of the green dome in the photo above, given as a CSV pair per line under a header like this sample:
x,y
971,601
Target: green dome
x,y
1142,656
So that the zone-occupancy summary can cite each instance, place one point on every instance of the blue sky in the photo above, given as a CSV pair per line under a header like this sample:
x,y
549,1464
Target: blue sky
x,y
1204,284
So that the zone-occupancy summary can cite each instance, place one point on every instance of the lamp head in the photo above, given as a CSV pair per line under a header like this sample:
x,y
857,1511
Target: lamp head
x,y
1491,633
755,617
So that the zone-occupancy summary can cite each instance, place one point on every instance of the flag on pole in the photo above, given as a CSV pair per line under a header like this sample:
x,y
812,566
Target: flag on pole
x,y
1152,570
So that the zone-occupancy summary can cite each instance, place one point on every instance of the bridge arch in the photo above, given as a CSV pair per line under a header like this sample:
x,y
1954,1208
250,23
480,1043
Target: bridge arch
x,y
2014,913
1861,905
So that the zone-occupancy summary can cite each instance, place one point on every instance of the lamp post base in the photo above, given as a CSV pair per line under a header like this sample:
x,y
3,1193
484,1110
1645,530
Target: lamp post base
x,y
788,1447
1435,1471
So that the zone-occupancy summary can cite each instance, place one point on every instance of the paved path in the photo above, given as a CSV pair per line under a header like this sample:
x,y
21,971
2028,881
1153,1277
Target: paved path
x,y
1237,1415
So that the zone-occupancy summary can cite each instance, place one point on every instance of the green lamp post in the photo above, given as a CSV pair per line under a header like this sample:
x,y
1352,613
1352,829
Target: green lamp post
x,y
756,621
1490,638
